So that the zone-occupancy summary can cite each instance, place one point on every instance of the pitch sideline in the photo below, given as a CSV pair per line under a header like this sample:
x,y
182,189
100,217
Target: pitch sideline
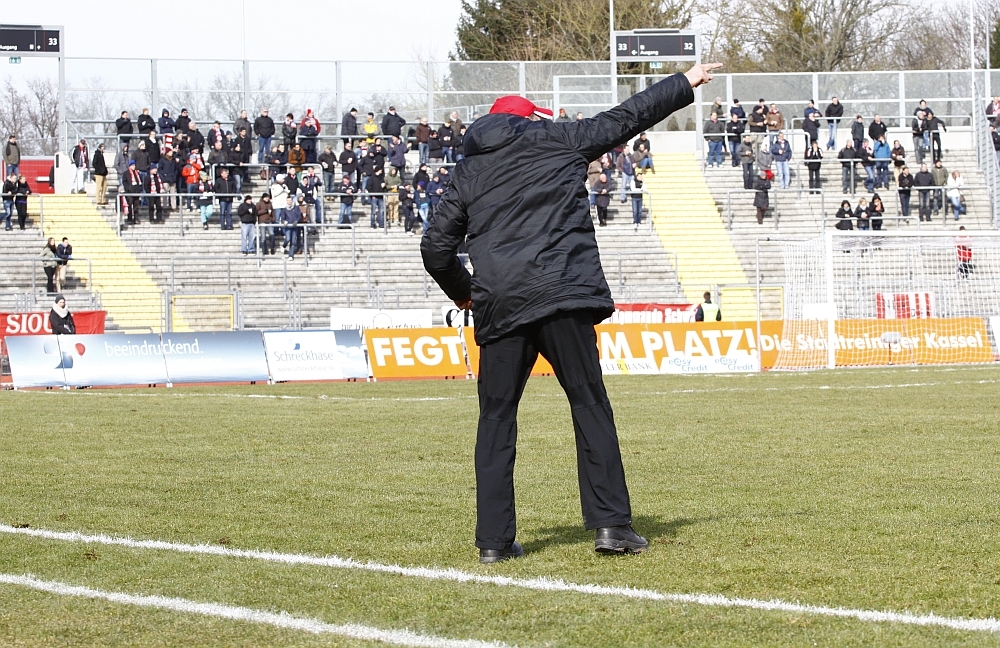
x,y
989,624
234,613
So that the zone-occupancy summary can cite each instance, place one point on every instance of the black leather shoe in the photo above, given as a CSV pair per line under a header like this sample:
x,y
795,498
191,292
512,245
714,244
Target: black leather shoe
x,y
619,540
487,556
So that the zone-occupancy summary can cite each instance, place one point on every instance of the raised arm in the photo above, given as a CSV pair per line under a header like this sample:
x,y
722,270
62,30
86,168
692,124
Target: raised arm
x,y
595,136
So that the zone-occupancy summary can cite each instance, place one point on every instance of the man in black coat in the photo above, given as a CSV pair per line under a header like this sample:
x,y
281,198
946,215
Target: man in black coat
x,y
263,127
349,125
520,203
123,127
392,123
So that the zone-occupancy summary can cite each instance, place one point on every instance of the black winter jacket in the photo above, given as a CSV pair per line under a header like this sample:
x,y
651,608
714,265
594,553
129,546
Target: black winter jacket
x,y
393,124
263,126
520,200
100,166
146,124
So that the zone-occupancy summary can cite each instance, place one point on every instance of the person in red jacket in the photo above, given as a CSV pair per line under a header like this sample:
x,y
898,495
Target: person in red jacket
x,y
964,254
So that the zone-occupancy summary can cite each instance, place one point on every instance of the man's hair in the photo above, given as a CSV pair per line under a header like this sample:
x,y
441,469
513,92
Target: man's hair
x,y
708,295
65,239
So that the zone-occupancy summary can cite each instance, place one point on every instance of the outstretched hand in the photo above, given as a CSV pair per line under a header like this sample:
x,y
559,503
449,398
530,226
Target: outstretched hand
x,y
701,73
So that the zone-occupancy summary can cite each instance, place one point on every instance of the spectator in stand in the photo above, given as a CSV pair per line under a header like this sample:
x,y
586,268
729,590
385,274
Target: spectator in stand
x,y
392,124
263,128
217,157
757,125
195,138
637,202
814,159
458,144
296,159
734,131
955,184
9,189
224,189
152,147
349,125
737,109
406,203
423,133
328,163
247,213
279,195
602,198
169,171
100,176
153,185
563,117
917,130
289,132
882,154
435,152
775,122
642,140
346,191
241,122
964,249
904,182
265,218
923,181
397,156
392,184
760,199
64,252
845,217
370,129
21,193
858,132
132,186
876,129
641,159
434,191
764,161
146,123
898,156
60,319
934,126
446,136
626,168
810,109
811,128
746,157
834,111
164,124
309,130
50,262
183,123
291,218
716,107
81,164
995,135
349,161
579,116
205,198
707,311
215,135
240,152
781,151
875,212
377,189
311,188
992,111
12,155
941,176
191,173
423,200
422,175
715,135
124,128
862,214
867,158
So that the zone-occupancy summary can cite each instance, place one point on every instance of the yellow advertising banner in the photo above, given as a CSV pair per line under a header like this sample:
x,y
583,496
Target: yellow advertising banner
x,y
541,368
416,353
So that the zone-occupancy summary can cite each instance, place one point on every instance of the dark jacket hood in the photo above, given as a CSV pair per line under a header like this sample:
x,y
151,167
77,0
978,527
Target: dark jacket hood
x,y
494,132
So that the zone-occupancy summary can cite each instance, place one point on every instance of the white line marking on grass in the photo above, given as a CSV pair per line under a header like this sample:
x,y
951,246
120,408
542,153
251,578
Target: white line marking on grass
x,y
163,394
234,613
713,390
539,584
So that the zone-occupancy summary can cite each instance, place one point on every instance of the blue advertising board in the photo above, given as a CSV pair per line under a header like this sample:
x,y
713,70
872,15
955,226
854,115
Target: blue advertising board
x,y
107,360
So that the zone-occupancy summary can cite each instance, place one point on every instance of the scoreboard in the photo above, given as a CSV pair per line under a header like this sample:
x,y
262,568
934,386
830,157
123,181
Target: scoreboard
x,y
639,45
30,40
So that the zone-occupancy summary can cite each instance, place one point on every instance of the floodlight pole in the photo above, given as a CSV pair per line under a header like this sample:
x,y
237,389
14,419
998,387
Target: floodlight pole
x,y
614,54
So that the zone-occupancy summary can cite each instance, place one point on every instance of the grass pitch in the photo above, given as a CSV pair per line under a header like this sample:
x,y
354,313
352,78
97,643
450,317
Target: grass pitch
x,y
863,489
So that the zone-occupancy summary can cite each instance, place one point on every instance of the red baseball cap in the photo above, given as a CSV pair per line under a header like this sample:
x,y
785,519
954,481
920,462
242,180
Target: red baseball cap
x,y
516,105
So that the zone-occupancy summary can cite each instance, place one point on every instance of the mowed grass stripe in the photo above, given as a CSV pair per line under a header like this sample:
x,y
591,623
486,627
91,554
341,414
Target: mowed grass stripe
x,y
539,584
235,613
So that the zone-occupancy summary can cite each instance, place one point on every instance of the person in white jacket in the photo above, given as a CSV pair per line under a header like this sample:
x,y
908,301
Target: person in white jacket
x,y
954,193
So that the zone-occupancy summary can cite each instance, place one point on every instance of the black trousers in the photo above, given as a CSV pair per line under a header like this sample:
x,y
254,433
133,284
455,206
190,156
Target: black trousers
x,y
569,343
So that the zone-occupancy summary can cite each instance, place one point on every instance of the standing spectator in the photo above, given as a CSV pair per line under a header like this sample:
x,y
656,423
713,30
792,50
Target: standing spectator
x,y
868,164
196,140
737,109
370,129
642,140
876,129
146,123
217,157
921,108
579,116
810,109
392,183
349,162
445,135
9,189
169,172
811,128
124,128
941,176
190,173
995,135
746,157
707,311
100,176
845,217
834,111
775,122
60,319
602,198
312,190
328,163
904,183
458,144
955,184
406,203
626,168
346,192
847,158
265,218
224,189
392,124
152,147
858,132
296,159
291,218
435,191
882,155
760,199
164,124
715,132
716,107
132,186
934,126
757,125
923,180
247,213
964,249
764,161
435,153
814,157
64,251
240,152
263,128
153,185
81,164
349,126
141,159
309,130
423,201
205,198
422,133
456,123
50,262
875,212
917,130
781,151
562,117
898,156
21,193
862,214
241,122
734,130
397,156
183,123
12,155
289,132
637,202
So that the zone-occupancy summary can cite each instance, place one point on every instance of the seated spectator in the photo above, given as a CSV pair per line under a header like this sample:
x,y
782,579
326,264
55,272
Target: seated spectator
x,y
641,159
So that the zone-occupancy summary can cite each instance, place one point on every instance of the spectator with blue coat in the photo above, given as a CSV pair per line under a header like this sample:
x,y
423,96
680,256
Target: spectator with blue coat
x,y
882,155
165,123
781,151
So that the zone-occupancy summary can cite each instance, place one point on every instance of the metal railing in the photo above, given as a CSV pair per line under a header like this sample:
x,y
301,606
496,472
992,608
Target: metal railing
x,y
773,201
622,285
986,155
937,193
172,281
42,260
